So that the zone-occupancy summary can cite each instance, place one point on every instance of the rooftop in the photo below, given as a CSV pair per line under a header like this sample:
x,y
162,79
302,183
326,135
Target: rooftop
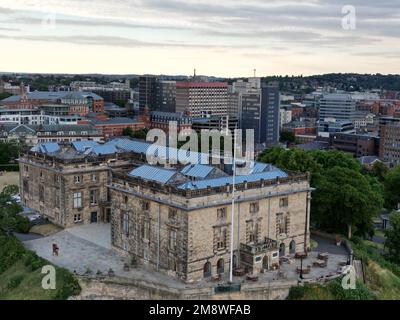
x,y
193,176
47,95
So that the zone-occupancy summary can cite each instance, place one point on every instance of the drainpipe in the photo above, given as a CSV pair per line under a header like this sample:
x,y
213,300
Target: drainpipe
x,y
306,226
158,238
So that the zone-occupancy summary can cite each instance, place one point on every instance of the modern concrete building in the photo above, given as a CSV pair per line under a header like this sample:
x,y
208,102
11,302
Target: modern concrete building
x,y
337,106
389,132
359,145
166,96
199,99
259,110
330,126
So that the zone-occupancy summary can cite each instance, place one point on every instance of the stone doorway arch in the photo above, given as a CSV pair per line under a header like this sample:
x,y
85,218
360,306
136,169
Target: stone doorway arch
x,y
220,266
207,270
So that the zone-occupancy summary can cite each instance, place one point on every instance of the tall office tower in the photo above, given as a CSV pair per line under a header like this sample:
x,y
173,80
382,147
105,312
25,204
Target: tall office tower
x,y
200,99
147,92
166,96
337,106
270,105
259,109
389,146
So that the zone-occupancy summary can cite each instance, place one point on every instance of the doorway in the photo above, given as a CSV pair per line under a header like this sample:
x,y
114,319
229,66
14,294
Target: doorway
x,y
93,217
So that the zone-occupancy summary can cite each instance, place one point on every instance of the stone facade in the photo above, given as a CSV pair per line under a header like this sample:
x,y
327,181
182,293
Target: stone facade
x,y
180,225
188,234
66,192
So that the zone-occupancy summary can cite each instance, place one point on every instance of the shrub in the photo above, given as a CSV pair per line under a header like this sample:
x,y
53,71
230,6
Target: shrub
x,y
11,250
15,281
364,252
33,261
70,285
296,293
360,293
9,167
22,224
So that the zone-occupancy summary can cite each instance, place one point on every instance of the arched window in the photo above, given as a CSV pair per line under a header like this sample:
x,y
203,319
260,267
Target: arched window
x,y
292,247
207,270
220,266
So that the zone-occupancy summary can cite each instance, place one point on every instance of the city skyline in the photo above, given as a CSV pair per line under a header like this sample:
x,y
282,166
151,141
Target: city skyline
x,y
226,39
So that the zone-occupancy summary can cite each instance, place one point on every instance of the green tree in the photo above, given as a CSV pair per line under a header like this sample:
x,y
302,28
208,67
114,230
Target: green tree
x,y
392,189
10,219
127,132
345,202
140,134
379,170
8,152
392,234
287,136
4,95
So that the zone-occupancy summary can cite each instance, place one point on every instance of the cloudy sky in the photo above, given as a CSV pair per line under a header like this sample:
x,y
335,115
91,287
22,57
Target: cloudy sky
x,y
218,37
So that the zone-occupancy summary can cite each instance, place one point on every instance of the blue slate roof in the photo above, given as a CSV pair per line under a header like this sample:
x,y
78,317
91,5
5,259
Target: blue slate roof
x,y
130,145
46,147
153,173
197,170
220,182
104,149
83,145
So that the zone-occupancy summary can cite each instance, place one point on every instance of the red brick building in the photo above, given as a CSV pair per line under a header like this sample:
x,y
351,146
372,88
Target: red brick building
x,y
112,127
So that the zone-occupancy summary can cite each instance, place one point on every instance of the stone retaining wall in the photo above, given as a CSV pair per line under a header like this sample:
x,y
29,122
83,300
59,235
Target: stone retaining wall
x,y
128,289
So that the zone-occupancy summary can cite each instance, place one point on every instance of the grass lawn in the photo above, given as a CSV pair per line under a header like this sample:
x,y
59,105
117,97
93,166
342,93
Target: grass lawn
x,y
373,244
382,282
45,229
380,233
20,283
9,178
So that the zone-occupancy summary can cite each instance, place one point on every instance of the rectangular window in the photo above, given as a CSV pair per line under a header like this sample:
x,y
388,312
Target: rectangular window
x,y
283,202
172,213
146,229
94,197
78,179
77,200
41,193
221,214
172,239
254,207
145,205
125,224
77,218
281,223
94,178
220,235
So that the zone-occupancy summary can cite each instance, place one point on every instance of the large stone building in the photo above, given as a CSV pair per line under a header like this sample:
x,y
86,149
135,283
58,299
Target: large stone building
x,y
175,219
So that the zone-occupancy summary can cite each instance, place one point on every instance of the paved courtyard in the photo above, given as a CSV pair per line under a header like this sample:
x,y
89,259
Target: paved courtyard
x,y
88,247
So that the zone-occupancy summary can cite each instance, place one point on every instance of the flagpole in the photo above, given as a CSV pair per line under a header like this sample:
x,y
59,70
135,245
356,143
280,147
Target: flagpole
x,y
233,207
